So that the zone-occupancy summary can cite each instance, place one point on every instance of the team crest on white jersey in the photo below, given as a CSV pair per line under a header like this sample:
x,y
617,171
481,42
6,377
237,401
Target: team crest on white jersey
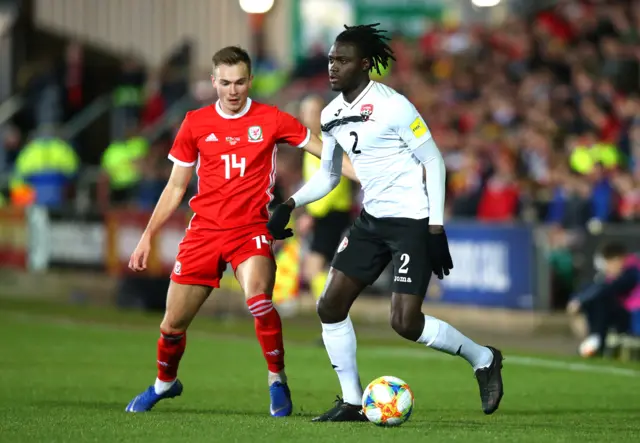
x,y
255,134
343,244
366,111
177,268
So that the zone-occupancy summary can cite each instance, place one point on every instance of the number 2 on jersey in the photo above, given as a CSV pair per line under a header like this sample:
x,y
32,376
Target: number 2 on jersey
x,y
231,162
354,149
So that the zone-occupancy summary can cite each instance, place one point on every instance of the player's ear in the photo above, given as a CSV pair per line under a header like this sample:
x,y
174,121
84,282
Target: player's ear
x,y
250,81
366,65
213,81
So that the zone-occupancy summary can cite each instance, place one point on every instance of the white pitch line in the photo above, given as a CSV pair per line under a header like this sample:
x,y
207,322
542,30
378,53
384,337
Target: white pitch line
x,y
426,354
511,359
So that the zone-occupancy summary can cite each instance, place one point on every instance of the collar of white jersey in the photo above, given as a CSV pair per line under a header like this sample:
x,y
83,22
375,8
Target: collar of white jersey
x,y
360,96
223,114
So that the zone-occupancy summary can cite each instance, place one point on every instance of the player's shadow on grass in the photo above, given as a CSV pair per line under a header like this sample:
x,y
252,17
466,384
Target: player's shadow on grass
x,y
87,405
212,411
160,409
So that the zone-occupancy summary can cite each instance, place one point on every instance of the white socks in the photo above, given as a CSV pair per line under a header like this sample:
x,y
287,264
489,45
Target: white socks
x,y
276,376
162,386
444,337
340,343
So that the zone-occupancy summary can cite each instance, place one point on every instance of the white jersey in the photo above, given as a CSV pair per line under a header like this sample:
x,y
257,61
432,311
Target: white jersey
x,y
379,131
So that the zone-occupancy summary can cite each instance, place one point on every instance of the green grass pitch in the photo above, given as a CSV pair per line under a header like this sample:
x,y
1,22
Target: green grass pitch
x,y
67,374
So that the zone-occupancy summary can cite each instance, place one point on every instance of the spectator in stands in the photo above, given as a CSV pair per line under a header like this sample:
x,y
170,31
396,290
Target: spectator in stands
x,y
154,103
42,93
612,302
465,184
602,195
499,200
175,74
122,165
569,205
629,197
632,143
128,97
154,173
48,165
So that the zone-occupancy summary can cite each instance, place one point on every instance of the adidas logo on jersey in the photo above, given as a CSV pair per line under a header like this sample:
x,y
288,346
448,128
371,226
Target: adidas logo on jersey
x,y
211,138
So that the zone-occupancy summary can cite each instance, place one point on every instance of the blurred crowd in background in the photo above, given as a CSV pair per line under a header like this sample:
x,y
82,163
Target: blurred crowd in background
x,y
538,120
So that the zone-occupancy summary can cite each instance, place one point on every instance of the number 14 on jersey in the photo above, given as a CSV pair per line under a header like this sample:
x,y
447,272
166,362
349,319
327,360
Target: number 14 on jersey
x,y
232,162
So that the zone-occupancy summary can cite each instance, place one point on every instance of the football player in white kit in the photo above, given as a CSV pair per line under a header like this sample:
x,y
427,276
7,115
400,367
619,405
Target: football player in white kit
x,y
389,144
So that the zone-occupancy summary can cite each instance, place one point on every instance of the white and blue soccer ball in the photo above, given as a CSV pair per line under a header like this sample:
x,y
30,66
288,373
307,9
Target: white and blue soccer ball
x,y
387,401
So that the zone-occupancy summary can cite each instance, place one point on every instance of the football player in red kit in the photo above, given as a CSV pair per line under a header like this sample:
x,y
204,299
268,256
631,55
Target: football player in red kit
x,y
232,145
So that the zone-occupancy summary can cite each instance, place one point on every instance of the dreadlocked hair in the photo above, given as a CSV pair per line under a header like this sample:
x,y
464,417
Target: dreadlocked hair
x,y
370,42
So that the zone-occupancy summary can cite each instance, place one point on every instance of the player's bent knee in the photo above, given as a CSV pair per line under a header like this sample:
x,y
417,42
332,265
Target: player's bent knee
x,y
172,327
330,312
175,322
334,303
339,294
256,276
258,289
400,325
407,320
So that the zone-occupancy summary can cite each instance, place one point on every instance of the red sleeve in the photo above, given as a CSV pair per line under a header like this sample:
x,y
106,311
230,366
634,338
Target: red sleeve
x,y
290,130
184,151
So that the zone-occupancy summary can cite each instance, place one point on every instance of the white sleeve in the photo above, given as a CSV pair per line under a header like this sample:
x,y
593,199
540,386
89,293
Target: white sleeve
x,y
326,178
413,130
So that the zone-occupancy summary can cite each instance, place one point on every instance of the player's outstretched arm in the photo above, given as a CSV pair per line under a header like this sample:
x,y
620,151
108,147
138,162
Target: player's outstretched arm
x,y
320,184
314,147
169,201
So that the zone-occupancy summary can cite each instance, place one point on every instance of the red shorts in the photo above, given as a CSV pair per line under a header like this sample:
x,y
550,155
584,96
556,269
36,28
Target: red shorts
x,y
203,254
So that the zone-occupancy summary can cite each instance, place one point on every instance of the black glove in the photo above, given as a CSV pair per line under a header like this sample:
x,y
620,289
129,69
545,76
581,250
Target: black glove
x,y
278,222
439,255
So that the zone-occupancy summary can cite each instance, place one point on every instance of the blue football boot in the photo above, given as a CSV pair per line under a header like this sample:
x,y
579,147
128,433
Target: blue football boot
x,y
281,405
148,399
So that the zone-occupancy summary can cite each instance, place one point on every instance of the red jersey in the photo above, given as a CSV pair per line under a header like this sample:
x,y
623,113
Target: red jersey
x,y
236,161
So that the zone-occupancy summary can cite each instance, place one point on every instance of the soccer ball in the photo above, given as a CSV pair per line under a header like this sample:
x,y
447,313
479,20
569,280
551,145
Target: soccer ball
x,y
387,401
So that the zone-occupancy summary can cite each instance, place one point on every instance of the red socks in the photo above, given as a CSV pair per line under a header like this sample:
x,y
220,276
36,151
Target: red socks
x,y
170,350
268,331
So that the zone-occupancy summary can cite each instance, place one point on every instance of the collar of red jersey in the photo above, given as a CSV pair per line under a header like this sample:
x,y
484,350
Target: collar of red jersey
x,y
223,114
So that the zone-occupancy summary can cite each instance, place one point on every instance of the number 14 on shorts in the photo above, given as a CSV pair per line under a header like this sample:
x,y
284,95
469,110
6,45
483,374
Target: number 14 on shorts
x,y
261,240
